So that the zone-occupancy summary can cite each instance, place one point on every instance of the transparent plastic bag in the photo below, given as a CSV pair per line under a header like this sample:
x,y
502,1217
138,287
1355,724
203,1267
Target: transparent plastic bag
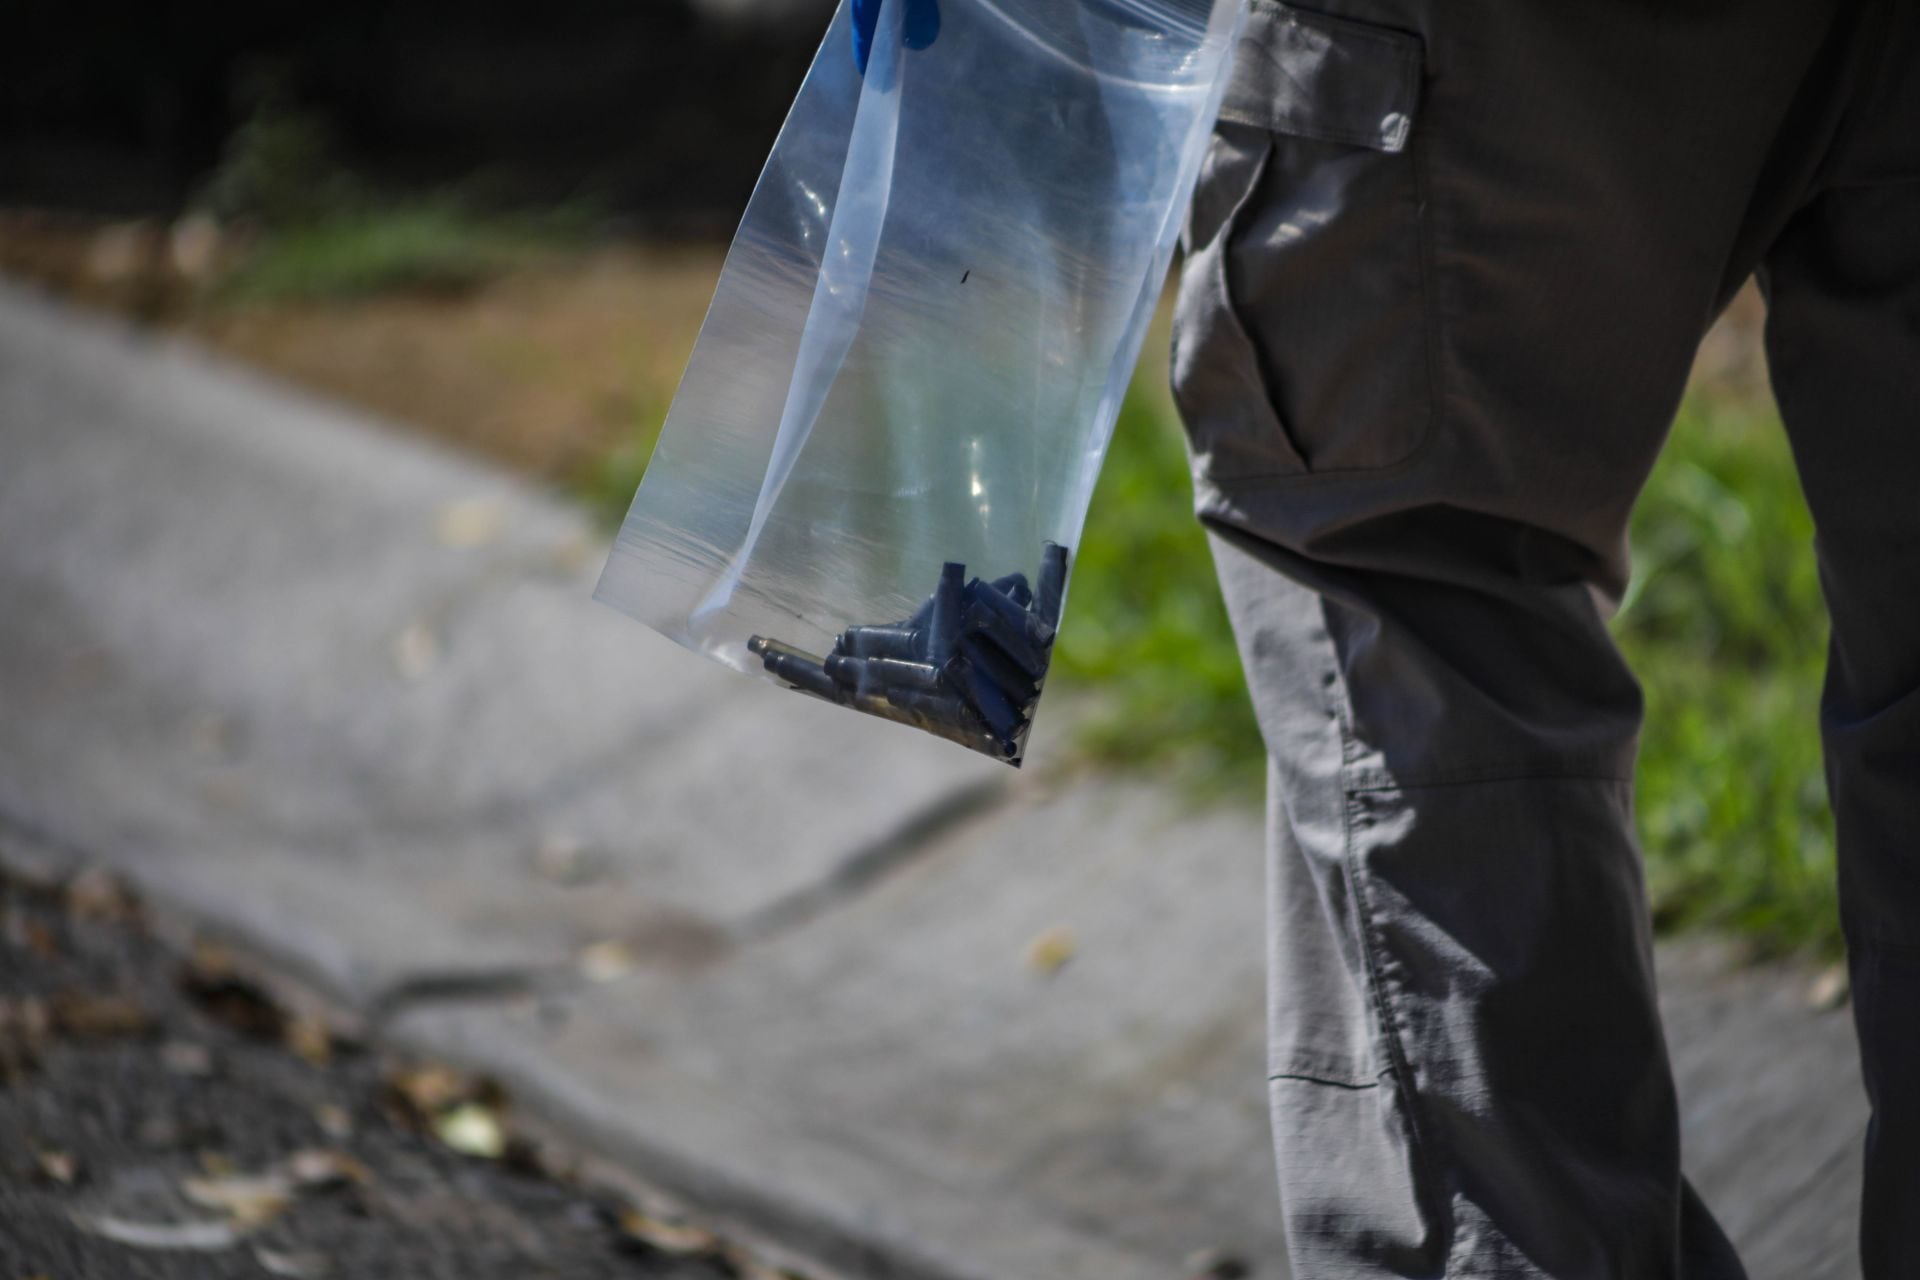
x,y
881,455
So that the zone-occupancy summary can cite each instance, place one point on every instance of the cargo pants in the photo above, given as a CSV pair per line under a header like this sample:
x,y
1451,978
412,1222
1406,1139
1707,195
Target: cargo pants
x,y
1447,267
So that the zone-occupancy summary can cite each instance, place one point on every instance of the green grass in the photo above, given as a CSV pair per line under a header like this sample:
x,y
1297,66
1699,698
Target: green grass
x,y
1725,625
1146,628
1723,622
321,232
608,485
418,246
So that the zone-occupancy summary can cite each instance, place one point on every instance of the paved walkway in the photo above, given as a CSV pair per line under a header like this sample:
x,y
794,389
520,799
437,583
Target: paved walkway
x,y
328,688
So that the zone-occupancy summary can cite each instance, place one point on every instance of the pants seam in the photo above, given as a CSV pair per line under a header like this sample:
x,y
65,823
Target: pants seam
x,y
1398,1067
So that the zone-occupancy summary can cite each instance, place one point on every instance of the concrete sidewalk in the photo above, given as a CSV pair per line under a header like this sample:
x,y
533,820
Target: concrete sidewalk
x,y
344,695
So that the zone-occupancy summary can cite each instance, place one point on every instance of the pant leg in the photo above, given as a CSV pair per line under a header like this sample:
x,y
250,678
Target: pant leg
x,y
1843,344
1427,347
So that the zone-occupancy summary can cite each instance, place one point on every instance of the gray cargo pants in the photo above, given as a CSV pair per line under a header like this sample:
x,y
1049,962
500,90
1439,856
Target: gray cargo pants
x,y
1448,265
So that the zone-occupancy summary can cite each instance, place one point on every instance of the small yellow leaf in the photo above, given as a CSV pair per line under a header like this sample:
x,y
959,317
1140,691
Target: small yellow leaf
x,y
681,1239
293,1266
315,1167
1830,990
429,1088
247,1200
57,1166
310,1037
1051,950
472,1130
469,524
606,962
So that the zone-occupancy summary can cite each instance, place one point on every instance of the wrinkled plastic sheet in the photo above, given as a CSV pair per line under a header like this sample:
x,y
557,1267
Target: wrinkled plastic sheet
x,y
892,422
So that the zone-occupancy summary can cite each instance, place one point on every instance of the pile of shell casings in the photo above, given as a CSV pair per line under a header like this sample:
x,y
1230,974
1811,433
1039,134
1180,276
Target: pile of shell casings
x,y
968,665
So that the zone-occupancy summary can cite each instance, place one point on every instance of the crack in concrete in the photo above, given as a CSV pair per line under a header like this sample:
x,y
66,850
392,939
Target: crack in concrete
x,y
918,835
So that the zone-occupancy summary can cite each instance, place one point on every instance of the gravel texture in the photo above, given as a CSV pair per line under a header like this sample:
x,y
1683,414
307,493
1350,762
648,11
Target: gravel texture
x,y
162,1115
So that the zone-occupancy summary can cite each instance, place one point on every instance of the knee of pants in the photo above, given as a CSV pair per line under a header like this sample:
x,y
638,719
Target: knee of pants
x,y
1410,680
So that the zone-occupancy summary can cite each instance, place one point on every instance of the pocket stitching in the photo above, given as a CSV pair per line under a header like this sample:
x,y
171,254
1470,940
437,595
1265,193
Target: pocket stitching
x,y
1430,324
1292,457
1404,47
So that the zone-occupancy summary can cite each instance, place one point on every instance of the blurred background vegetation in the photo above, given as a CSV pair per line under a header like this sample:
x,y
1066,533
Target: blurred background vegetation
x,y
444,260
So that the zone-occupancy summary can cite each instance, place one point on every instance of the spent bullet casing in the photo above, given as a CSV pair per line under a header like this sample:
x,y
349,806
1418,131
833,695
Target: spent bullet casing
x,y
1009,638
1051,589
799,669
993,707
948,714
1024,622
1020,687
868,674
906,644
1014,587
1029,623
943,628
935,704
967,664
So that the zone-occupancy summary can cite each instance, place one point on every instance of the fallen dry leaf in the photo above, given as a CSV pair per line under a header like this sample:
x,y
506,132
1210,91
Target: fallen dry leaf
x,y
429,1088
202,1236
333,1119
1830,990
293,1266
249,1200
98,894
98,1016
56,1166
472,1130
681,1239
571,556
311,1038
316,1168
605,962
1047,953
209,960
25,1026
469,523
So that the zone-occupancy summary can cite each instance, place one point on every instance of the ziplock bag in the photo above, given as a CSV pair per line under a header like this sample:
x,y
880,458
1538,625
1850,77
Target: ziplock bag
x,y
870,483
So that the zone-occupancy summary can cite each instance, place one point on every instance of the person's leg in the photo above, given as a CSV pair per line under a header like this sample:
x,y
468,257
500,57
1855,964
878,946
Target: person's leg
x,y
1448,266
1843,344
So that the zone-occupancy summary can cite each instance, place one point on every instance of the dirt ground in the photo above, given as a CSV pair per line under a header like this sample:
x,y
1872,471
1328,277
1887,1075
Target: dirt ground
x,y
164,1116
548,369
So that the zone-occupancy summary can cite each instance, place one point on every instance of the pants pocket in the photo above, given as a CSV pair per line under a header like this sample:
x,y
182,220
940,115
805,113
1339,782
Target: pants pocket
x,y
1302,333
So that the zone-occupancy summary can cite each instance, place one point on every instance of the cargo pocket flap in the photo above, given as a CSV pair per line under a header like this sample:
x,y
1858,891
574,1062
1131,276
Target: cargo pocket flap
x,y
1324,77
